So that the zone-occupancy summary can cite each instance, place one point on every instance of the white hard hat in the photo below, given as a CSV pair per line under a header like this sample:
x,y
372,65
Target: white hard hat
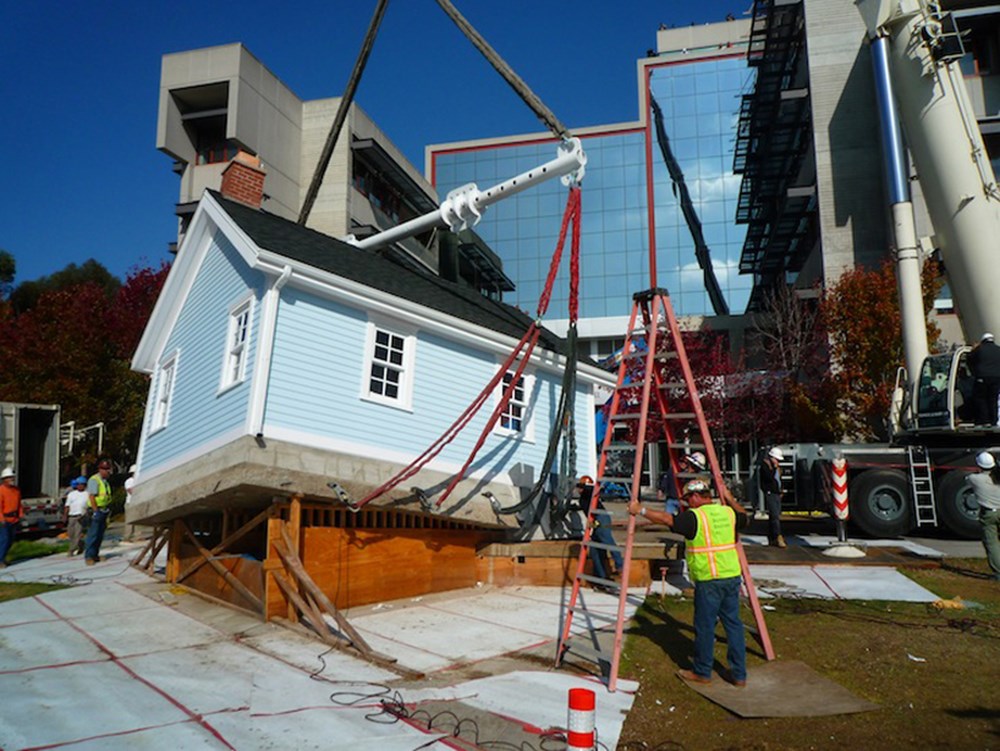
x,y
987,337
776,453
7,472
132,469
697,459
985,460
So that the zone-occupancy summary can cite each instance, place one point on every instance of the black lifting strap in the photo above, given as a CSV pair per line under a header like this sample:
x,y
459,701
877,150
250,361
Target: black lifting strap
x,y
342,108
500,65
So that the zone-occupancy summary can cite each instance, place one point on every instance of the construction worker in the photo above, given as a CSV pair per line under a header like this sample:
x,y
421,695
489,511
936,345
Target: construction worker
x,y
601,526
769,476
99,490
667,488
75,513
714,566
12,510
984,362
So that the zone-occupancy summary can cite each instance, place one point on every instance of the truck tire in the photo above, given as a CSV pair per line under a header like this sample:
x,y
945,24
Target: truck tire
x,y
958,509
880,503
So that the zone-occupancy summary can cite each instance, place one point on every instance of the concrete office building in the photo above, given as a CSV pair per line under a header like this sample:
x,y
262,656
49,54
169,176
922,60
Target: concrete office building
x,y
217,101
813,196
695,79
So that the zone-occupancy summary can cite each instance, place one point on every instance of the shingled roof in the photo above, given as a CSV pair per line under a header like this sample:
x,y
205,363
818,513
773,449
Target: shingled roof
x,y
286,238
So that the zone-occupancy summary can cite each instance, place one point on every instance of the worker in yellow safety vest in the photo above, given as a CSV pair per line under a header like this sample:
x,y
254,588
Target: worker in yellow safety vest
x,y
99,490
714,566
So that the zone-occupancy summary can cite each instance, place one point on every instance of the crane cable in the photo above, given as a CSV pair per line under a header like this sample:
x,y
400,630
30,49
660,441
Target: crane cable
x,y
500,65
338,121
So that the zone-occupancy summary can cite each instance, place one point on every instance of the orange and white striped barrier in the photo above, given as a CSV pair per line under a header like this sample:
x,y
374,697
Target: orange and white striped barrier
x,y
580,725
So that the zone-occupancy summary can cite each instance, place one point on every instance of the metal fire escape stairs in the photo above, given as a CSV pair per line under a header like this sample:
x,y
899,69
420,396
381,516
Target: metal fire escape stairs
x,y
646,405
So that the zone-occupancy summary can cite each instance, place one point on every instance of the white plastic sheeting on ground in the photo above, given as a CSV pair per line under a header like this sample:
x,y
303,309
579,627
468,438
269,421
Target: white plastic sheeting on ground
x,y
103,666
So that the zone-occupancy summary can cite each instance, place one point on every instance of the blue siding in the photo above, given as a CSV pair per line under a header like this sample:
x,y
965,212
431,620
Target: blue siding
x,y
198,412
317,379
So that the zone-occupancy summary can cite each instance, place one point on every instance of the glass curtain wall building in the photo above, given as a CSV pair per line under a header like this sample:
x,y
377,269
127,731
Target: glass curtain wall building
x,y
630,201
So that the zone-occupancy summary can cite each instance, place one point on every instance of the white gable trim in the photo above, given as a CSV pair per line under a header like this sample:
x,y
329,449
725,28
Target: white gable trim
x,y
208,219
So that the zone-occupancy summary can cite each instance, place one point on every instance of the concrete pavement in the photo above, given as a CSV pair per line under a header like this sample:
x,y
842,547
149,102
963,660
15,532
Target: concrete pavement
x,y
119,660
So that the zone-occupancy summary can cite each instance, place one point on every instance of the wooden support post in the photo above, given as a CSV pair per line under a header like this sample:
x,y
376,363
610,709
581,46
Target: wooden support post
x,y
163,533
294,542
274,598
222,570
174,551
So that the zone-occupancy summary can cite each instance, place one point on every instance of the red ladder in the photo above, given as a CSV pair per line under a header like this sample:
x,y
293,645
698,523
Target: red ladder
x,y
666,381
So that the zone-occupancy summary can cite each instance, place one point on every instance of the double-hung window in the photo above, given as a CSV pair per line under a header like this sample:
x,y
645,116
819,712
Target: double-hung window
x,y
234,365
165,377
389,366
515,420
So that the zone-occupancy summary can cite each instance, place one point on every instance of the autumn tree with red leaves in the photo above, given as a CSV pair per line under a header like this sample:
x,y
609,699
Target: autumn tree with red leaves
x,y
73,347
860,314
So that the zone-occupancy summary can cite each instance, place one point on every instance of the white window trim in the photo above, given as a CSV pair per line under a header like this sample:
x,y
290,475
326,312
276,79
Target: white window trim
x,y
527,431
158,422
246,301
405,399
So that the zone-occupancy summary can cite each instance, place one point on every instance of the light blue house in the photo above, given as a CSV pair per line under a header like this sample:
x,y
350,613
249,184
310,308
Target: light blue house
x,y
282,360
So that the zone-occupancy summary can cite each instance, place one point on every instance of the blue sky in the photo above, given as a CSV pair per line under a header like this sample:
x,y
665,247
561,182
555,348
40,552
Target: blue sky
x,y
82,178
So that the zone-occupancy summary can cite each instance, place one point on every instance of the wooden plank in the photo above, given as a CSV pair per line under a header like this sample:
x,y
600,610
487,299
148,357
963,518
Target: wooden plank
x,y
294,565
226,542
275,600
221,570
164,534
174,551
293,540
357,566
137,561
314,617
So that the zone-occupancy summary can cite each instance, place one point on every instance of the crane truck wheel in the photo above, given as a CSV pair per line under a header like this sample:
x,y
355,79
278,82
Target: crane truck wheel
x,y
957,506
880,503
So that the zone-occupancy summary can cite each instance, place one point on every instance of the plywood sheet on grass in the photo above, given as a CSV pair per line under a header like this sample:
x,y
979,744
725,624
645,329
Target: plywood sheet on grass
x,y
783,689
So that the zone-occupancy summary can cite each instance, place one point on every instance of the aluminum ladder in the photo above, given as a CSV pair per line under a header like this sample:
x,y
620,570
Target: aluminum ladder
x,y
922,486
655,398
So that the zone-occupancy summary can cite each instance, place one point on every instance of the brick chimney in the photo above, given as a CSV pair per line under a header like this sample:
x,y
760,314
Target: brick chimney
x,y
243,180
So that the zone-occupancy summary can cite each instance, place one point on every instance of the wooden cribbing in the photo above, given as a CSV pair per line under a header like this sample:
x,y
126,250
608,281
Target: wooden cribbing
x,y
222,570
234,537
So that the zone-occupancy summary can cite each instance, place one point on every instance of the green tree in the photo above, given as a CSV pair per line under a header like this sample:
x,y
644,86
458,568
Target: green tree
x,y
26,294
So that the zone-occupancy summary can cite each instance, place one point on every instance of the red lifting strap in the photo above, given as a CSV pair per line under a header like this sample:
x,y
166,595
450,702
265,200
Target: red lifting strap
x,y
522,351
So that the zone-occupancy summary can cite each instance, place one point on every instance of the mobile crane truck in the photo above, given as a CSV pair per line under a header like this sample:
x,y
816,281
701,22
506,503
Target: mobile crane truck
x,y
919,478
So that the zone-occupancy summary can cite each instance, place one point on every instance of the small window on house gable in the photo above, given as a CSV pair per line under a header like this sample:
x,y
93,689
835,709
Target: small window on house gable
x,y
234,365
515,420
389,361
165,377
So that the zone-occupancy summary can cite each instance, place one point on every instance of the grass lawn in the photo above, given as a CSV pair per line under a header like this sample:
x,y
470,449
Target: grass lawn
x,y
951,700
22,550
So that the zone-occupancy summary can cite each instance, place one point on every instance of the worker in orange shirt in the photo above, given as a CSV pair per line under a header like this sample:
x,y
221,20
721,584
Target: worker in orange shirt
x,y
10,506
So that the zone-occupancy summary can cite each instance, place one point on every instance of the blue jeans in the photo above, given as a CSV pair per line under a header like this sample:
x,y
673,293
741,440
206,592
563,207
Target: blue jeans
x,y
602,533
7,530
95,534
714,600
672,506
